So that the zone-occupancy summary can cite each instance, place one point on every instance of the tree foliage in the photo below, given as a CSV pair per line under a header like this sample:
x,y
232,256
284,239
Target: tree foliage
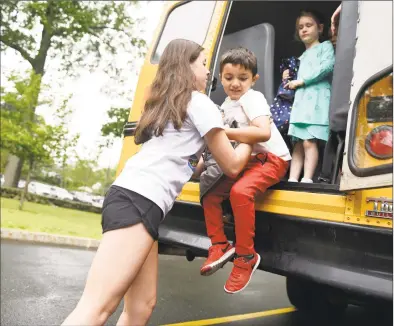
x,y
117,119
80,173
74,34
102,26
23,132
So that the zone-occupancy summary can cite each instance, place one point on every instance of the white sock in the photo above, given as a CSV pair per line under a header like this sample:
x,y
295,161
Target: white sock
x,y
306,180
292,180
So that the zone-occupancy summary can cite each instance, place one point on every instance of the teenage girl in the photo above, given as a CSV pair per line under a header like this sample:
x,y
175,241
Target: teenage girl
x,y
177,123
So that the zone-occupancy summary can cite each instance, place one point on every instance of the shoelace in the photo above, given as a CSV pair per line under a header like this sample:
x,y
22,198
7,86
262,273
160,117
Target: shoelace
x,y
241,260
238,265
214,249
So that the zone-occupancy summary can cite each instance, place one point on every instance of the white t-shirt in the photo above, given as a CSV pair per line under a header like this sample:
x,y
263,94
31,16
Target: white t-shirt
x,y
250,106
164,164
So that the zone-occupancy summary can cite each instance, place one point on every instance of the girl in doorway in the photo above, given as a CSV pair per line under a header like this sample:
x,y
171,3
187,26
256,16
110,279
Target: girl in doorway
x,y
309,116
177,123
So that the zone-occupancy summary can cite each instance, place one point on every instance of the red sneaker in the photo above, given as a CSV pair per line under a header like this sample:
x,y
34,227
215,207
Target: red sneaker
x,y
218,256
242,273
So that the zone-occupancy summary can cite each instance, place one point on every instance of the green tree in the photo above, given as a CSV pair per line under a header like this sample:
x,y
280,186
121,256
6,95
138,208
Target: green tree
x,y
66,141
24,133
114,127
3,159
86,173
76,32
82,173
18,119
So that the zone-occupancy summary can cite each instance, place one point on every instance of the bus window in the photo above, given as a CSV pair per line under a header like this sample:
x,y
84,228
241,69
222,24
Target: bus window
x,y
189,21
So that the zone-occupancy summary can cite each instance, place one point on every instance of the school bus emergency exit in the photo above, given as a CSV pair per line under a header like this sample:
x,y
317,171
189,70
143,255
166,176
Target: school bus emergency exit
x,y
331,239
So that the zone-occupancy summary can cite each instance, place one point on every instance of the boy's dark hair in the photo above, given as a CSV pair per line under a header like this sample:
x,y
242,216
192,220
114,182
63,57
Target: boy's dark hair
x,y
240,56
316,16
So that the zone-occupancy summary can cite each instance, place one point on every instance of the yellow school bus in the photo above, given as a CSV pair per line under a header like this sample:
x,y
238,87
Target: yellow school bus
x,y
331,239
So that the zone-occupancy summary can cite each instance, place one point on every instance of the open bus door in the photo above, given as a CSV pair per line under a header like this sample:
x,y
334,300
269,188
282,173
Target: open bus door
x,y
199,21
368,157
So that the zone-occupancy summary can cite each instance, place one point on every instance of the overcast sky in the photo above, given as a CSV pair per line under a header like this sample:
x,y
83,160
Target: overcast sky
x,y
88,102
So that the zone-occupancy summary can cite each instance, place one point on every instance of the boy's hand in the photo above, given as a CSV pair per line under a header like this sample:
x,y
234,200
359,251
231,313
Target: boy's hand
x,y
228,131
231,134
286,74
294,84
258,131
199,168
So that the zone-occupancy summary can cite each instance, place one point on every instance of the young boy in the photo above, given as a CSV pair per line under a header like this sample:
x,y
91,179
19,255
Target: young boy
x,y
267,165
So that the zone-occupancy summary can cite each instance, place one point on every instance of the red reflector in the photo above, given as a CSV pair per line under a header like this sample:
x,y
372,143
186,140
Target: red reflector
x,y
379,142
379,214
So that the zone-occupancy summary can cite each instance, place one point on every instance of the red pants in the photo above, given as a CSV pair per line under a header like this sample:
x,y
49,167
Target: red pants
x,y
255,179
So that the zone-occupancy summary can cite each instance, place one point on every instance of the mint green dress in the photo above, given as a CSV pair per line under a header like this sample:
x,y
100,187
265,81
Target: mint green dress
x,y
309,115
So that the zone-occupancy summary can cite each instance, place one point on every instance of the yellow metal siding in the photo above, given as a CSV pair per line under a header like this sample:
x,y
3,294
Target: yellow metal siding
x,y
382,88
345,208
149,70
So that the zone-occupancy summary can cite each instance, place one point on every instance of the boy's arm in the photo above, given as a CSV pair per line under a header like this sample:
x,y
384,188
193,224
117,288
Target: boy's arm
x,y
258,131
256,108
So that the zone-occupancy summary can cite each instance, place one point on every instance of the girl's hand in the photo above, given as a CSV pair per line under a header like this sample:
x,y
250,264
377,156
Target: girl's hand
x,y
231,161
294,84
335,19
286,74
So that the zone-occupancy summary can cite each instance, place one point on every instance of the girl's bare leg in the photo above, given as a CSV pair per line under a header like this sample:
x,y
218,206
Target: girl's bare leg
x,y
118,260
297,162
140,298
311,158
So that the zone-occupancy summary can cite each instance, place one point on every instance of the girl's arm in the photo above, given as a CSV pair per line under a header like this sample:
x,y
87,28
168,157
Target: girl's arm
x,y
325,68
231,161
335,19
257,110
258,131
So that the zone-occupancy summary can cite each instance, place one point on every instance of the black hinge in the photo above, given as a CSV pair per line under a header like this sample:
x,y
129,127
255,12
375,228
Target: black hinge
x,y
129,129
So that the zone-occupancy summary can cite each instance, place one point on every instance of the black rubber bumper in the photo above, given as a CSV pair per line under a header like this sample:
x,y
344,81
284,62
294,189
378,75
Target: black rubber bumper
x,y
356,259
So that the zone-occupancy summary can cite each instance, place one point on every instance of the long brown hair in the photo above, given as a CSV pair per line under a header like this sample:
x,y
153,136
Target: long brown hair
x,y
171,90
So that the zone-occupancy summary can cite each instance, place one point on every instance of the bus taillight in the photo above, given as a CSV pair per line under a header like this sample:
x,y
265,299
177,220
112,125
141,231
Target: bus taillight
x,y
379,142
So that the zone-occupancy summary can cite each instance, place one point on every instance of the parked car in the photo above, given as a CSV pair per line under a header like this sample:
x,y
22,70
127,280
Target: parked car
x,y
98,201
61,193
40,189
21,184
82,197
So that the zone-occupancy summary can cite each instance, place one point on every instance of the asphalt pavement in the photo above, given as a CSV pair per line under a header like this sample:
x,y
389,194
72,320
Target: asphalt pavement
x,y
41,284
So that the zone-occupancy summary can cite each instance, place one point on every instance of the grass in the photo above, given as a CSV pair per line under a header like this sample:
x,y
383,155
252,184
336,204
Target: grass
x,y
50,219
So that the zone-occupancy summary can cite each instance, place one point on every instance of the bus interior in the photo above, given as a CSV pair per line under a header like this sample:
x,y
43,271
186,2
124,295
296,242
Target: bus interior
x,y
268,29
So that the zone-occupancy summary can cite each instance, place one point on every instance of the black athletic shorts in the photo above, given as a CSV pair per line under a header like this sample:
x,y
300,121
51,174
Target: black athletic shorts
x,y
123,208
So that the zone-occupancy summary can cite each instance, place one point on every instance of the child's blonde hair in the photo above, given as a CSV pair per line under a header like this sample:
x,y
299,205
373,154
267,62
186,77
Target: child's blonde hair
x,y
316,16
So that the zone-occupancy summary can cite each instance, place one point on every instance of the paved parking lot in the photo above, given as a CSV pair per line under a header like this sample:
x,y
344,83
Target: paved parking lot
x,y
40,285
